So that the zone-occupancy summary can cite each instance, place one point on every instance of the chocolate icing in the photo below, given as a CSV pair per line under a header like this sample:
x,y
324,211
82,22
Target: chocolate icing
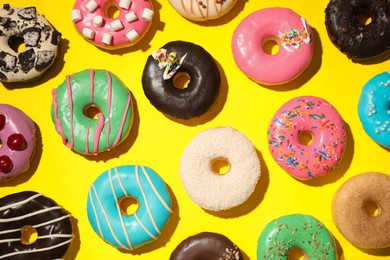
x,y
207,246
359,41
201,92
53,220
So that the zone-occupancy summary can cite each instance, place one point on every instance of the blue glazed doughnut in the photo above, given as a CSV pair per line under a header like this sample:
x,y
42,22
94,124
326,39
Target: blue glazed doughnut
x,y
374,108
105,214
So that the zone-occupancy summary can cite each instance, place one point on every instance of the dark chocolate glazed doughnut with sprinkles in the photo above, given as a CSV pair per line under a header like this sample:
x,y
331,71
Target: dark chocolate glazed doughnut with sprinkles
x,y
176,59
359,38
26,26
25,213
207,245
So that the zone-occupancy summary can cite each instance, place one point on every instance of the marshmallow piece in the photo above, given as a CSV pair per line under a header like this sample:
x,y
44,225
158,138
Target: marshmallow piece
x,y
107,38
147,14
91,5
76,15
125,4
131,17
97,21
88,33
132,35
116,25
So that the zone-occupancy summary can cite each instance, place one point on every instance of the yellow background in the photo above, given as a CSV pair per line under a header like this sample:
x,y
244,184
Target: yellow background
x,y
158,141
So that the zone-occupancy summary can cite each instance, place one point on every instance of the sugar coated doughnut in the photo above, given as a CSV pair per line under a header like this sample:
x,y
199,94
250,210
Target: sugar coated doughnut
x,y
178,58
373,108
107,216
94,22
296,231
315,117
353,210
207,245
206,186
29,212
41,41
17,139
202,10
288,29
353,37
89,91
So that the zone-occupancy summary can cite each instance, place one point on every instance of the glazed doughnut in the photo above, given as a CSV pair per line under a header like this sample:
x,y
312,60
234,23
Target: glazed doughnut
x,y
207,245
93,21
293,35
313,116
92,90
17,139
29,211
296,231
350,213
107,217
356,40
373,108
206,187
158,80
40,40
202,10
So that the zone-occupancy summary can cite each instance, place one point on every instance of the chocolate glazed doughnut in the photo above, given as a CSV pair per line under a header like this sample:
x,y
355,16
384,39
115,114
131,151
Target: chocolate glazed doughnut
x,y
158,80
24,212
356,40
206,245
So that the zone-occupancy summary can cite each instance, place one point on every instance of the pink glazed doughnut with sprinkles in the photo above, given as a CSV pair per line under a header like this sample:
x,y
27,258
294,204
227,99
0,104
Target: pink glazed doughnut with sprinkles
x,y
282,25
93,20
307,137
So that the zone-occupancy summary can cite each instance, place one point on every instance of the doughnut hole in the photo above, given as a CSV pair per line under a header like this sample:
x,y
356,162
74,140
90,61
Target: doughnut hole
x,y
28,235
364,17
16,43
270,45
296,253
128,205
1,143
371,208
92,111
111,10
181,80
305,138
220,165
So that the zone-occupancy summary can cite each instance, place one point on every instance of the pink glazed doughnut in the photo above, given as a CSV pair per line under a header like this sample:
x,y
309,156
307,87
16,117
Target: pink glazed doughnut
x,y
93,22
317,118
289,30
17,138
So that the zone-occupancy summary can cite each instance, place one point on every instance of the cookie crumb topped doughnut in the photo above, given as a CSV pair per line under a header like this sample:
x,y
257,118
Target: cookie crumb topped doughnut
x,y
94,22
353,209
29,212
210,189
202,10
373,108
207,245
17,139
92,111
40,39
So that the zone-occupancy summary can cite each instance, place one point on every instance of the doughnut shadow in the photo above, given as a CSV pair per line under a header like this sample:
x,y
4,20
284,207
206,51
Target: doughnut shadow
x,y
254,199
375,60
24,177
308,73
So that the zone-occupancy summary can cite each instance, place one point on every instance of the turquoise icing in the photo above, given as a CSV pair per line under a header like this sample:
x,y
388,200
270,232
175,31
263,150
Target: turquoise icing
x,y
128,231
374,108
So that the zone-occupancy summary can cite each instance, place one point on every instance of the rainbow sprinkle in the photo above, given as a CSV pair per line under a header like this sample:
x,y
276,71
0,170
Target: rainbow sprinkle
x,y
294,38
170,62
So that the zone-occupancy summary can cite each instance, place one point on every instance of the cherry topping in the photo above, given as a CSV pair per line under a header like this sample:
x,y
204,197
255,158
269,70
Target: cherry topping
x,y
2,122
6,164
16,142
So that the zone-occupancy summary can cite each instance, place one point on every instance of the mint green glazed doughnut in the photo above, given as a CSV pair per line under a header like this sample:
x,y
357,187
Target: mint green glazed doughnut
x,y
296,231
92,89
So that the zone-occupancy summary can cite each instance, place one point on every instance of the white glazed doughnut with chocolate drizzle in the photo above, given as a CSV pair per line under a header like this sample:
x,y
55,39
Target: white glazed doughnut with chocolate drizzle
x,y
197,10
26,26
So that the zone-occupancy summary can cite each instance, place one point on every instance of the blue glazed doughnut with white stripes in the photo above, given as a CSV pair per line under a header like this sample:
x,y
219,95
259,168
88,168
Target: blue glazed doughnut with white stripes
x,y
107,217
